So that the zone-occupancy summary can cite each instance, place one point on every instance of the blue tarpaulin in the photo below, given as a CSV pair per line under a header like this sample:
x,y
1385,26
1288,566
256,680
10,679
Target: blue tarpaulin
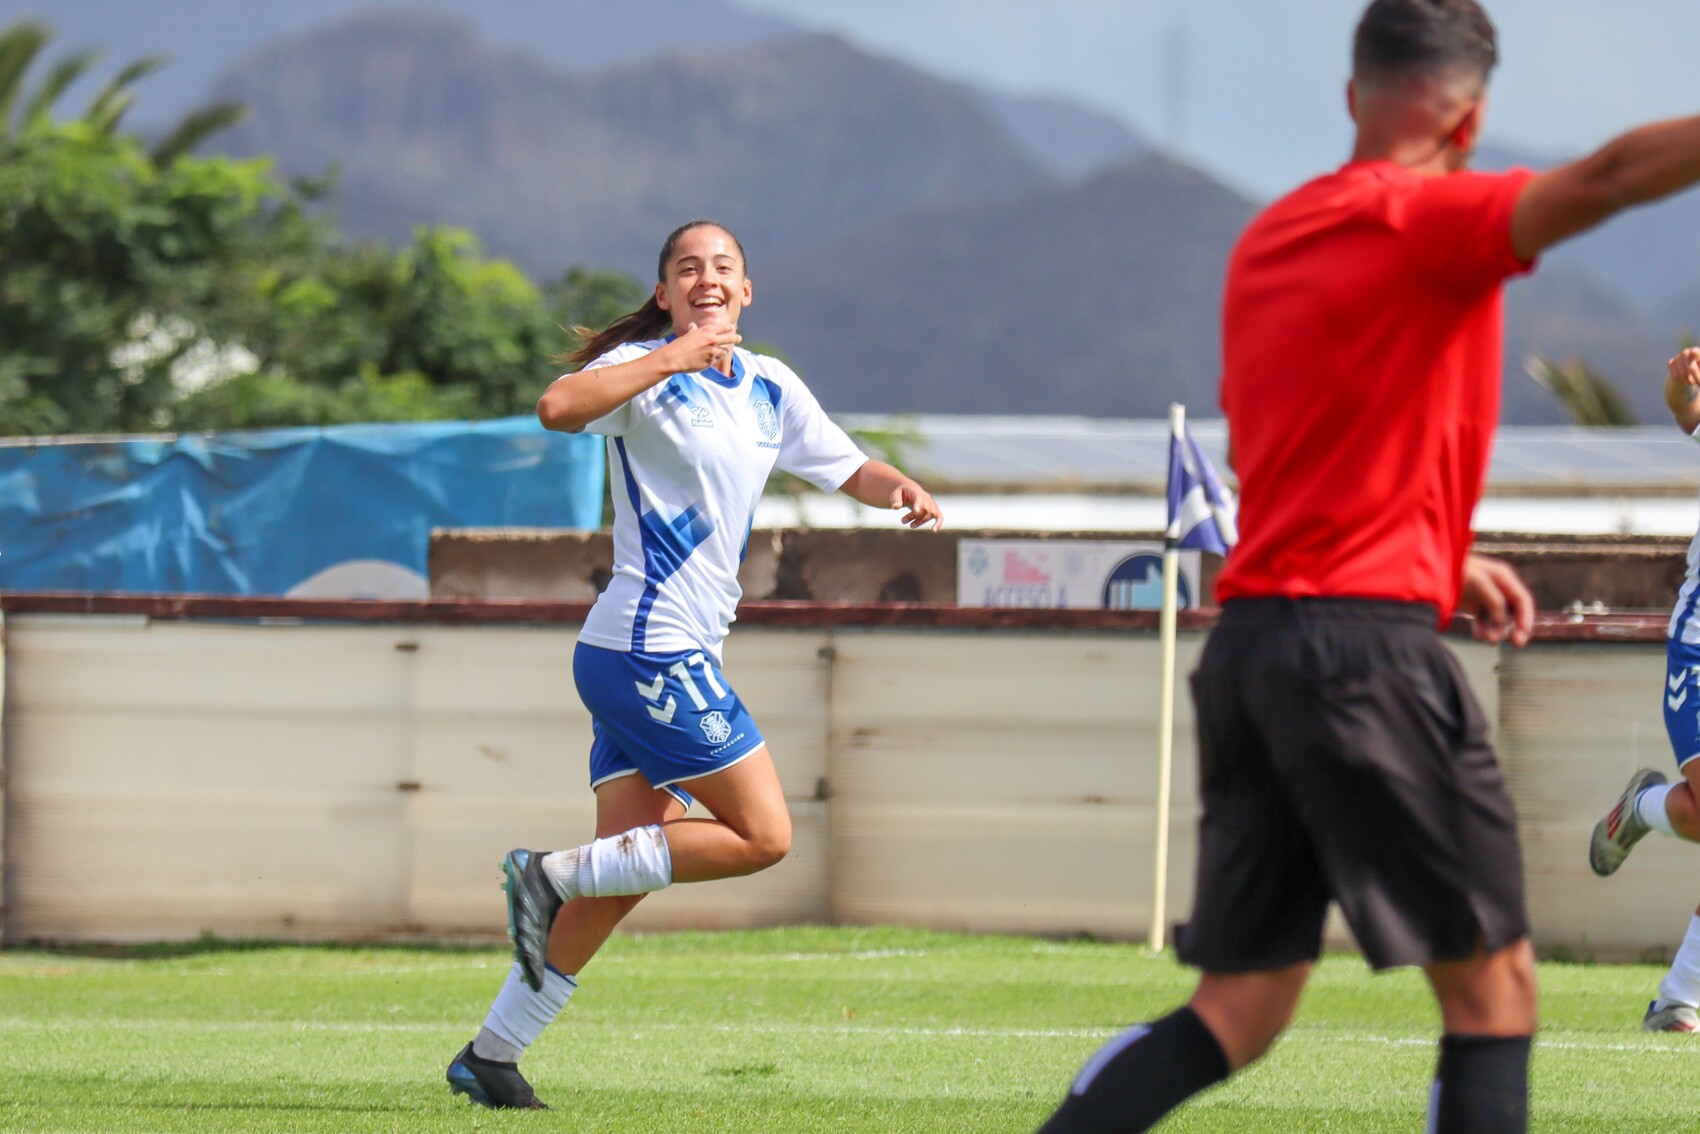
x,y
345,510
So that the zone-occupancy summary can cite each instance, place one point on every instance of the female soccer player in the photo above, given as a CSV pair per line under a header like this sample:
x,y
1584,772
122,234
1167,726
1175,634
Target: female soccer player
x,y
1650,802
695,425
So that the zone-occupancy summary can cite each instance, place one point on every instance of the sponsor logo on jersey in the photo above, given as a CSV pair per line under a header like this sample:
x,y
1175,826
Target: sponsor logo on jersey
x,y
702,417
715,727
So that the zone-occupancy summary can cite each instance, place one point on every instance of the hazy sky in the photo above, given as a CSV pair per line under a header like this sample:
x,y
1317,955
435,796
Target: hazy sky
x,y
1251,89
1262,101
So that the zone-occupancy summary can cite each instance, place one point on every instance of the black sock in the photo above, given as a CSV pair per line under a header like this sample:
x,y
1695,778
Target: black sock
x,y
1140,1076
1482,1085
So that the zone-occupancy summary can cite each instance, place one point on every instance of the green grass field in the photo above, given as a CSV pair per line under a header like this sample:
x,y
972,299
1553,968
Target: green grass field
x,y
844,1030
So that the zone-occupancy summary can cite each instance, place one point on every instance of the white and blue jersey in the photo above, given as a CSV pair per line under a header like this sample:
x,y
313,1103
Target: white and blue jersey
x,y
1685,619
1682,663
687,461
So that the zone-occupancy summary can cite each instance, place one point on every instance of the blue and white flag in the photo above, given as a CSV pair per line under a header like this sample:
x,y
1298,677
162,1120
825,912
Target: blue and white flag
x,y
1201,507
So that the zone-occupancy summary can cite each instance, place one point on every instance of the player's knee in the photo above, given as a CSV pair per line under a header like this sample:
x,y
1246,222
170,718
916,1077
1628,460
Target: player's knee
x,y
1494,994
1523,990
769,846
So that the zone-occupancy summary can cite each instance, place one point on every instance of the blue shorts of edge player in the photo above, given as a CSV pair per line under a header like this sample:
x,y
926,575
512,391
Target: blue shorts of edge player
x,y
666,717
1682,699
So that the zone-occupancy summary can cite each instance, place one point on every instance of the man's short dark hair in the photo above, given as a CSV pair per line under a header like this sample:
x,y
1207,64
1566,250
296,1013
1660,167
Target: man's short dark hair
x,y
1399,39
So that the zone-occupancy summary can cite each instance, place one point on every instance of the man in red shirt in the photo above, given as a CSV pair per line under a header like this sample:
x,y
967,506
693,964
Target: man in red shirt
x,y
1342,756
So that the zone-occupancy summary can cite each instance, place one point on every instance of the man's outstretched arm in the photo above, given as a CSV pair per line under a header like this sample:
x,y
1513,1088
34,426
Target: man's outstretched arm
x,y
1643,165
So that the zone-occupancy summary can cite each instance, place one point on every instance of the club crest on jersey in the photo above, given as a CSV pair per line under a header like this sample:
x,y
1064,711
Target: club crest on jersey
x,y
702,417
767,418
715,727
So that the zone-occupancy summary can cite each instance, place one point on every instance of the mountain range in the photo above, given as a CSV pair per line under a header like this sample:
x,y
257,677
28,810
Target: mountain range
x,y
1102,298
789,143
918,244
204,39
1097,297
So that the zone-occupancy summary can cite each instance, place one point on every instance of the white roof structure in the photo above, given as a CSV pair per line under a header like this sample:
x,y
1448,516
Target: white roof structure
x,y
1094,455
1085,474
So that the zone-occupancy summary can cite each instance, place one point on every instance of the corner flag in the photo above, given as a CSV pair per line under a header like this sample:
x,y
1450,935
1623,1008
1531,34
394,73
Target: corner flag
x,y
1201,516
1201,507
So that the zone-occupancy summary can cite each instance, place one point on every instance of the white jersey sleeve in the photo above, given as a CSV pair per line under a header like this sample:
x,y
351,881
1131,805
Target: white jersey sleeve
x,y
814,447
618,421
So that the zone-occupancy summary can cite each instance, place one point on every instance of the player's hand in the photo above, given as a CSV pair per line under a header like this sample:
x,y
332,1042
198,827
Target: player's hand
x,y
701,347
1684,369
1682,388
918,506
1494,594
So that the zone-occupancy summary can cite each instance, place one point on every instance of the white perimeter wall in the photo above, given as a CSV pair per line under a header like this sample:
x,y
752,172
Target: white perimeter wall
x,y
168,779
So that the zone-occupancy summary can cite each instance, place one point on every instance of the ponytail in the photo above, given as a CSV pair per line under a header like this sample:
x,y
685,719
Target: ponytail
x,y
647,322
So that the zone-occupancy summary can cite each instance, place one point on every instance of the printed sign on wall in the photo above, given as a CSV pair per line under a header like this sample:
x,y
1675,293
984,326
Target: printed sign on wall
x,y
1090,574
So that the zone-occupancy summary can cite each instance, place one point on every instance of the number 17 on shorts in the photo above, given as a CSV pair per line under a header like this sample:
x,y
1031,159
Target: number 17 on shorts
x,y
670,717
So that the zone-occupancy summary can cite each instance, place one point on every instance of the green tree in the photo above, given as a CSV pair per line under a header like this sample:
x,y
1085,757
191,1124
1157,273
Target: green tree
x,y
99,246
103,244
589,297
149,288
21,45
432,330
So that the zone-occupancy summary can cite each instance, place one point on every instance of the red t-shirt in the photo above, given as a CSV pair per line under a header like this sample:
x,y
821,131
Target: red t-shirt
x,y
1362,337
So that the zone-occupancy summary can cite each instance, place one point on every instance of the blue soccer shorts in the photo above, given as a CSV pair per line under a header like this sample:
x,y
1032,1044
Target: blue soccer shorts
x,y
666,717
1682,699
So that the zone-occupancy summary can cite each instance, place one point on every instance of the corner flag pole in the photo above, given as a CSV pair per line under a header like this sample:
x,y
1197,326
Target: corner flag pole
x,y
1166,706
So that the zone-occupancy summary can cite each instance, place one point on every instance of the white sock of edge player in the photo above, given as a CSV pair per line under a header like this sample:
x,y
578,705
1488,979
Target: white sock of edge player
x,y
1682,984
1650,809
519,1015
633,862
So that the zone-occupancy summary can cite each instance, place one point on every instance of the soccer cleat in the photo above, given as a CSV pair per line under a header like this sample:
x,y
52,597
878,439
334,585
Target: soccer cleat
x,y
532,905
486,1082
1676,1018
1621,829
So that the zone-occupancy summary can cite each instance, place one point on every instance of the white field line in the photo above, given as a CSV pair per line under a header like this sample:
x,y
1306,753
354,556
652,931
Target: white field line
x,y
487,965
69,972
744,961
1299,1036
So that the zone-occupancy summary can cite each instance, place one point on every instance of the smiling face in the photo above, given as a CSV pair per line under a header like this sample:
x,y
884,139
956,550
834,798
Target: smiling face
x,y
703,281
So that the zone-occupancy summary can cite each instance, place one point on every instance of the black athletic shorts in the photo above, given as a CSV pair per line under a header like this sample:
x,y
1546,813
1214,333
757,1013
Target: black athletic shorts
x,y
1342,756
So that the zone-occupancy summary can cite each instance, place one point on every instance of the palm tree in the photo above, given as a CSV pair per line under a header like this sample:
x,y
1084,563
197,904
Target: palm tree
x,y
1586,395
21,44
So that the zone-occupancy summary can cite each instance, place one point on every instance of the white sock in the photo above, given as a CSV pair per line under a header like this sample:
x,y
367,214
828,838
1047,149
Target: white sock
x,y
519,1015
635,862
1682,984
561,868
1650,809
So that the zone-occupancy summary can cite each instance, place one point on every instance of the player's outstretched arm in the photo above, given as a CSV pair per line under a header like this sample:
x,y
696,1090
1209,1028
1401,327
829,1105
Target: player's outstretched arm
x,y
1640,166
878,485
1682,389
575,400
